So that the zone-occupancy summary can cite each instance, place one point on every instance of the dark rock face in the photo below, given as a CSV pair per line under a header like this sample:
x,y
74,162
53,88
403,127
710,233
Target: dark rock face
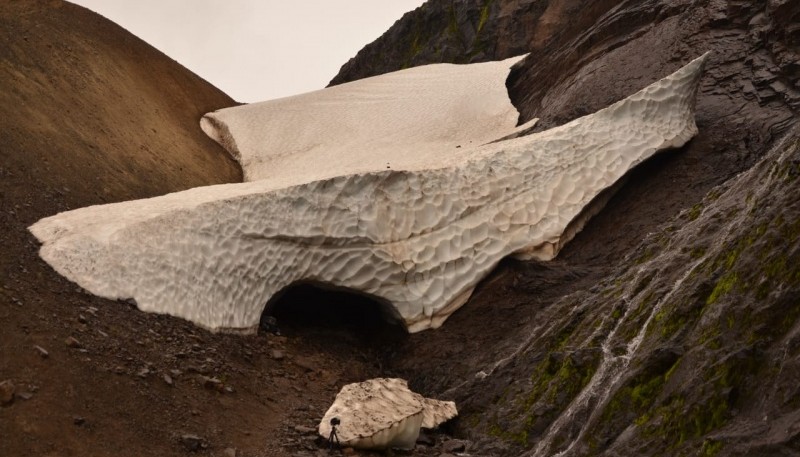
x,y
668,326
690,345
465,31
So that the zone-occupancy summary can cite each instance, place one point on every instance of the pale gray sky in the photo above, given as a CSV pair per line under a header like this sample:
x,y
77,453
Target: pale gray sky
x,y
257,50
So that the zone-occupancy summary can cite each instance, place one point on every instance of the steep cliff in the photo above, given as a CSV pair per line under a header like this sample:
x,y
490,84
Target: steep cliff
x,y
666,327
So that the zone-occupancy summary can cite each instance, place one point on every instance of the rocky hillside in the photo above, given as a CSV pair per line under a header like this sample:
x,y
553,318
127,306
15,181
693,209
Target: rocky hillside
x,y
655,330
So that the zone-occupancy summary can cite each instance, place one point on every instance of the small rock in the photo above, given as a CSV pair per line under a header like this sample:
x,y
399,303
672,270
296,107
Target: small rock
x,y
277,354
213,384
25,395
7,389
42,352
453,446
168,379
81,318
78,420
143,373
193,443
72,343
229,452
305,364
425,439
175,373
202,369
304,430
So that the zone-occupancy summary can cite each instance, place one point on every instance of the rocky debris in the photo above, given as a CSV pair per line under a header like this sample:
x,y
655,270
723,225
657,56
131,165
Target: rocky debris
x,y
143,373
73,343
229,452
24,395
7,391
277,354
78,420
212,384
199,369
193,443
168,380
426,439
454,446
305,430
42,351
269,324
305,364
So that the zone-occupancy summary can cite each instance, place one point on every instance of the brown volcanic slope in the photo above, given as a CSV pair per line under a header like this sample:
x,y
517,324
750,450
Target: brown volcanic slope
x,y
91,114
89,107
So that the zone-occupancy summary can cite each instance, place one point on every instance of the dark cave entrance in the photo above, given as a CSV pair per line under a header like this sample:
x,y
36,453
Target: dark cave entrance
x,y
331,316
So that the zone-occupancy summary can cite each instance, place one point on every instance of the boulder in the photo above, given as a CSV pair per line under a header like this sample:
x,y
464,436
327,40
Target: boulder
x,y
382,413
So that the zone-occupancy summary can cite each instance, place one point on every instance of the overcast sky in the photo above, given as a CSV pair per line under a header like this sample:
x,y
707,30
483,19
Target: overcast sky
x,y
257,49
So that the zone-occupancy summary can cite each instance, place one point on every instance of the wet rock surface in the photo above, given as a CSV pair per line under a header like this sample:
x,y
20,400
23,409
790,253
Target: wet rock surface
x,y
677,391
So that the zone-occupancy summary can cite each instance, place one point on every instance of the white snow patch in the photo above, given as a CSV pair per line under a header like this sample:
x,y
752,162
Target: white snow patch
x,y
404,120
420,234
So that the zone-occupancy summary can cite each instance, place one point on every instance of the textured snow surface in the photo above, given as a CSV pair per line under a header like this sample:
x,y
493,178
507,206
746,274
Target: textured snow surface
x,y
383,413
419,235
